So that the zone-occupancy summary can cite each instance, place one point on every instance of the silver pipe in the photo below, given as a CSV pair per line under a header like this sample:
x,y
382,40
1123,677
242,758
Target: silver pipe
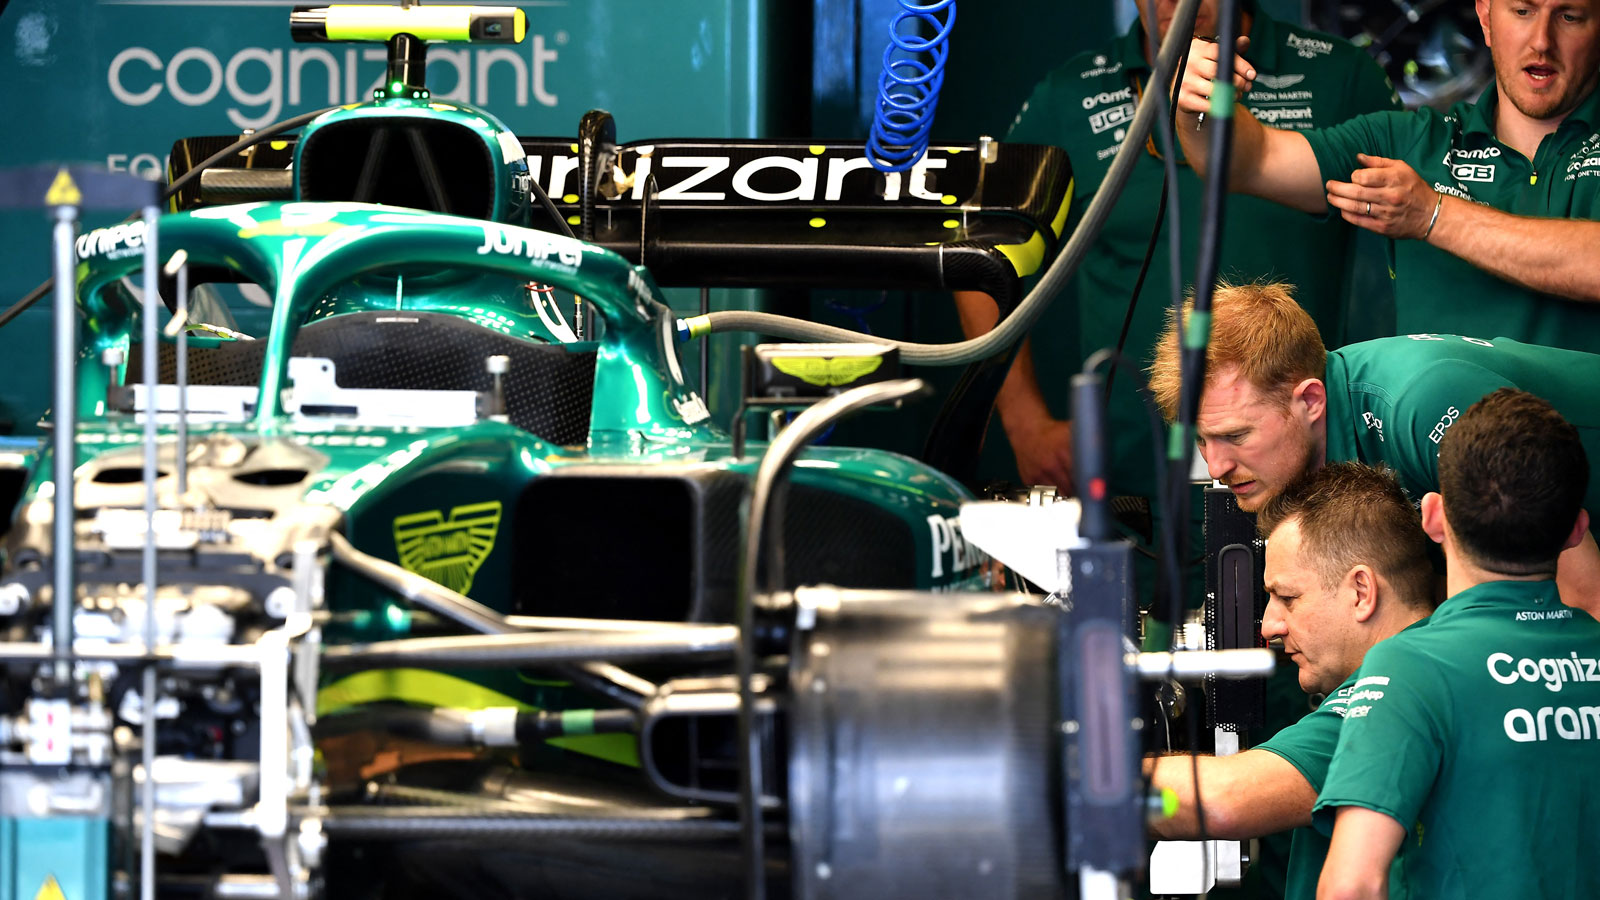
x,y
1192,664
427,594
182,362
64,440
563,623
767,482
535,649
174,656
152,306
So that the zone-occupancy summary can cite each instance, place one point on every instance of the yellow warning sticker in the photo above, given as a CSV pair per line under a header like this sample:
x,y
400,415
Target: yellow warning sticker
x,y
50,890
63,191
448,550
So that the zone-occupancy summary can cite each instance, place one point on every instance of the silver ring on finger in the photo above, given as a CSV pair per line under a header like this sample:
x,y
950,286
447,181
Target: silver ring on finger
x,y
1369,207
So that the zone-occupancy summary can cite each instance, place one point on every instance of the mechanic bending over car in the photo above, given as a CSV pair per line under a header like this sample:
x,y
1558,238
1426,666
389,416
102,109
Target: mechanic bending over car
x,y
1346,567
1277,404
1482,205
1083,107
1468,747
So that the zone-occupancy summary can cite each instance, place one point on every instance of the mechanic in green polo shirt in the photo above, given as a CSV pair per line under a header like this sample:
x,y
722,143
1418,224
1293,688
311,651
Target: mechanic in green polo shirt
x,y
1486,206
1084,107
1277,404
1469,744
1346,567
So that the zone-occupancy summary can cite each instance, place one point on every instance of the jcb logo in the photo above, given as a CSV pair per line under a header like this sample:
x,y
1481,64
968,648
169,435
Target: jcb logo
x,y
1107,119
1473,172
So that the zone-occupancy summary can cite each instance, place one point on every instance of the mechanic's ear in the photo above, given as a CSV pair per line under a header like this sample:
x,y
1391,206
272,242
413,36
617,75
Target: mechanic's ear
x,y
1364,586
1579,529
1311,399
1433,516
1483,21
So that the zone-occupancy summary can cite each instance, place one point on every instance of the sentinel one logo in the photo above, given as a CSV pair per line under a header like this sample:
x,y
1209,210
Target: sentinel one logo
x,y
259,81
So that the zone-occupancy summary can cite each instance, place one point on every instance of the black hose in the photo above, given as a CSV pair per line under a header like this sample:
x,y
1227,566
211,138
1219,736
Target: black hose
x,y
1168,209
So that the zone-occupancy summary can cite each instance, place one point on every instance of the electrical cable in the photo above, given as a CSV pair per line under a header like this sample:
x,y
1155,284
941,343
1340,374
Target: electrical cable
x,y
249,140
1168,208
1010,329
1194,335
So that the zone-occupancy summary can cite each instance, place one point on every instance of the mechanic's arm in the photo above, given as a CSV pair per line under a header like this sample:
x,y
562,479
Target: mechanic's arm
x,y
1246,795
1364,844
1042,443
1553,256
1272,163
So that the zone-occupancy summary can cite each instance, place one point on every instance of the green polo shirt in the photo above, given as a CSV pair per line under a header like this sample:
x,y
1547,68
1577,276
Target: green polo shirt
x,y
1306,80
1456,153
1390,401
1308,746
1480,732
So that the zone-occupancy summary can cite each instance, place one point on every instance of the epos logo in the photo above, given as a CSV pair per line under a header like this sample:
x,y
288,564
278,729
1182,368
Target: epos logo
x,y
260,80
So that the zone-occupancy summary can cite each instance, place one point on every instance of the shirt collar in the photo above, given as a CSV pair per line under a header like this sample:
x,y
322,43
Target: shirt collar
x,y
1129,49
1505,594
1479,117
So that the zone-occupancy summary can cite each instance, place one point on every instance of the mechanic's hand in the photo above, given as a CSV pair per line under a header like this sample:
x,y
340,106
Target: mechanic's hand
x,y
1044,453
1194,97
1386,196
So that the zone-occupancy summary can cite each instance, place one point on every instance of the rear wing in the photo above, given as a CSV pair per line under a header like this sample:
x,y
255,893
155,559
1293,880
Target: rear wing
x,y
766,213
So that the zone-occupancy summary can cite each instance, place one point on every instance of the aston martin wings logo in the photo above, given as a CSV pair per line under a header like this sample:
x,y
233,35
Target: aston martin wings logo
x,y
828,371
1279,82
448,550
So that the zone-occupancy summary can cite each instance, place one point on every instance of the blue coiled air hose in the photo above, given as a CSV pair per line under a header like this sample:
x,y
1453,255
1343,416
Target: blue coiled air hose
x,y
908,89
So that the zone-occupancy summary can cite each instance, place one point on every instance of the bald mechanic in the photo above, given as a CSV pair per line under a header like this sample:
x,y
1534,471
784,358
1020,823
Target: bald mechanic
x,y
1276,404
1469,745
1486,206
1346,567
1084,107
